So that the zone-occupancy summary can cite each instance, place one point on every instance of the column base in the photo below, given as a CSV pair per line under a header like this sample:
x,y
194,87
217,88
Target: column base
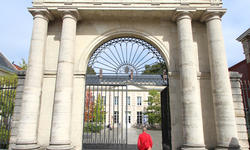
x,y
193,147
26,147
60,147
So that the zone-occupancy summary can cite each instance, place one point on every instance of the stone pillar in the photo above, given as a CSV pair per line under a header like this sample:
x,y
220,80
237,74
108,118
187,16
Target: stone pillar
x,y
192,114
60,132
27,130
222,94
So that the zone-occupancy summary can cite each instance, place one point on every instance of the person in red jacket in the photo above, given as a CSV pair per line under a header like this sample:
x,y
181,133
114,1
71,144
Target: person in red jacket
x,y
144,141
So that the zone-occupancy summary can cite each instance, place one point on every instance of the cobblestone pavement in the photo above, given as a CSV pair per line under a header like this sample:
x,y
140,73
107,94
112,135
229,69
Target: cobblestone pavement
x,y
156,135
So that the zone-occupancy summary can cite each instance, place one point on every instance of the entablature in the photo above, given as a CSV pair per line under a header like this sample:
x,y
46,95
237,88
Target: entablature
x,y
128,4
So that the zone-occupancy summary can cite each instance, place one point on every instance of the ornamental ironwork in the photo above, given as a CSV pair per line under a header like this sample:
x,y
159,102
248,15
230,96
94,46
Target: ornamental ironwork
x,y
125,55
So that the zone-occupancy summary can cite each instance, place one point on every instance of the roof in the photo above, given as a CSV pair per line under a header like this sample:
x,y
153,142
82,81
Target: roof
x,y
6,65
245,34
16,66
238,64
147,80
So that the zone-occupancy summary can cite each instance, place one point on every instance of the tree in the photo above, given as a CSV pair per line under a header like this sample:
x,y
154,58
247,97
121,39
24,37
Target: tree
x,y
89,105
99,110
154,109
90,70
157,68
93,113
23,64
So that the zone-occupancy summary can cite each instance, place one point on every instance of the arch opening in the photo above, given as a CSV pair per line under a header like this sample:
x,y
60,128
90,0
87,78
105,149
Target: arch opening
x,y
124,83
124,55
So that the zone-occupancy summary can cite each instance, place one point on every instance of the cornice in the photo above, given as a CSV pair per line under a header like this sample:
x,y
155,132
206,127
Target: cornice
x,y
41,11
70,11
88,4
213,13
243,36
183,13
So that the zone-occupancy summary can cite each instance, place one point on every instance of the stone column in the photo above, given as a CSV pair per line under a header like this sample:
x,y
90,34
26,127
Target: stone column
x,y
192,114
60,132
28,123
222,94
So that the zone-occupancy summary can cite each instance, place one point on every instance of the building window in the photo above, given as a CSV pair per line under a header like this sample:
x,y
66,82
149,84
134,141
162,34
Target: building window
x,y
139,117
129,116
116,100
139,100
116,116
149,103
128,100
104,100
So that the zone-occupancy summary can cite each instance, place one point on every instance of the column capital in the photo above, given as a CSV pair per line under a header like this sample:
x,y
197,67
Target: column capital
x,y
183,14
41,13
211,14
70,13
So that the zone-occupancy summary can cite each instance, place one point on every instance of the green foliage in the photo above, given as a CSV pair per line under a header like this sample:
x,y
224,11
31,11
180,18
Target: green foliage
x,y
99,113
157,68
4,138
92,127
154,109
90,70
23,64
4,135
7,95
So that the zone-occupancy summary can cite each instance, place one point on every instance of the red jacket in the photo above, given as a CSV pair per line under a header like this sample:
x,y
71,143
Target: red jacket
x,y
144,141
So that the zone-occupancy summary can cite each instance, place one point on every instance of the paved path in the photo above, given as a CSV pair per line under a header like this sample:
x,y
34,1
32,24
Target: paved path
x,y
115,137
156,135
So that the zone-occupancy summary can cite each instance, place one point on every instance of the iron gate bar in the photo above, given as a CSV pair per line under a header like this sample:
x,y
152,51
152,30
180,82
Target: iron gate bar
x,y
109,113
118,115
122,119
92,116
104,104
101,111
11,107
126,115
113,133
96,114
3,127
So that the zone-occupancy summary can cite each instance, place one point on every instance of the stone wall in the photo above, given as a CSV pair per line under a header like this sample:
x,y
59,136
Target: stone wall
x,y
17,109
239,110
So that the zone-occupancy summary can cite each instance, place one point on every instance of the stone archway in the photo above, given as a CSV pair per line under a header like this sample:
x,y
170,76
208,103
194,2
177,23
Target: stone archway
x,y
66,33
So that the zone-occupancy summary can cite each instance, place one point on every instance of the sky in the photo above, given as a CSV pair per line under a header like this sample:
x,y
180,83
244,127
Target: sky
x,y
16,28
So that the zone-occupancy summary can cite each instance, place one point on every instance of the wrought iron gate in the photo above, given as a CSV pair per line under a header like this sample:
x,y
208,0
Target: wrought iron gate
x,y
7,97
106,109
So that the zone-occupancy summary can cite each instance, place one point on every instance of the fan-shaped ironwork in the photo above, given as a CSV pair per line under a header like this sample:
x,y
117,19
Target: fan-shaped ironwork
x,y
124,55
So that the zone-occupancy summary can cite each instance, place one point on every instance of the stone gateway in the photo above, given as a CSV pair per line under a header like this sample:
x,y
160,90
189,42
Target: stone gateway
x,y
205,113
